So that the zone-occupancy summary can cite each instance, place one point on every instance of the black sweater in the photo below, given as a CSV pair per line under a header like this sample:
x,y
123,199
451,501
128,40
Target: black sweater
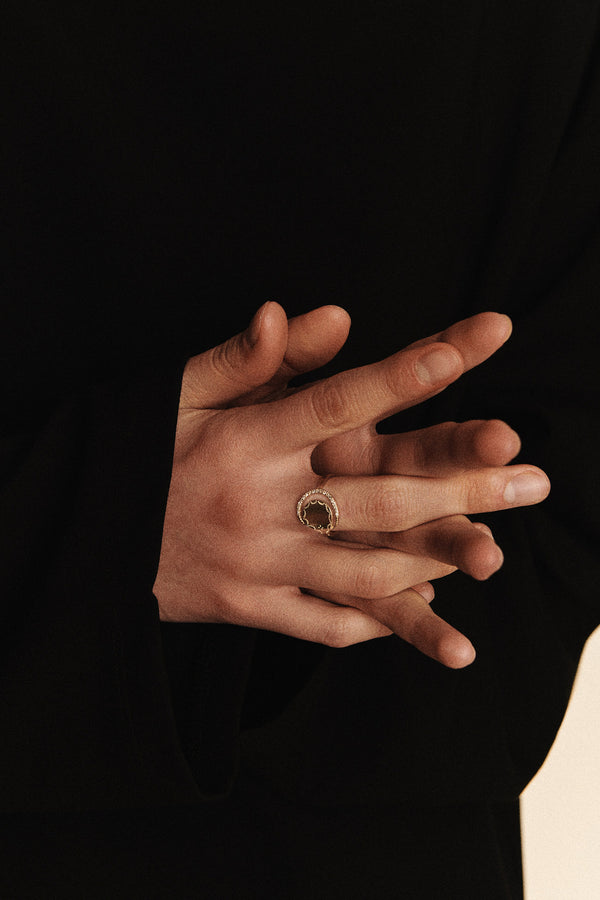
x,y
168,167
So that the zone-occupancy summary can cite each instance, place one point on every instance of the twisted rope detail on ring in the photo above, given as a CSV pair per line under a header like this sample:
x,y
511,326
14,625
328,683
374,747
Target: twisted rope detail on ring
x,y
320,515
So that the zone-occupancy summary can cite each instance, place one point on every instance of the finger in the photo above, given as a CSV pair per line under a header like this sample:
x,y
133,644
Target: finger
x,y
313,340
478,336
222,374
456,541
352,453
336,567
311,618
360,396
425,589
436,451
445,449
396,503
409,615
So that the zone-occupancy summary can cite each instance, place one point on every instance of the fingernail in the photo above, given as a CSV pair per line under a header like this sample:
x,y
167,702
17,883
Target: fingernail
x,y
437,365
526,488
255,326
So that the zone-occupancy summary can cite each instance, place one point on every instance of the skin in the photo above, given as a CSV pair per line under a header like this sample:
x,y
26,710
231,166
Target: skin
x,y
246,449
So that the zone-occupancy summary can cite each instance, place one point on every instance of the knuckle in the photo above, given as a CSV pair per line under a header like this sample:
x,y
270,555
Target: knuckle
x,y
225,359
370,458
496,486
434,443
423,451
331,407
385,507
485,492
338,632
227,445
373,581
397,377
459,441
441,448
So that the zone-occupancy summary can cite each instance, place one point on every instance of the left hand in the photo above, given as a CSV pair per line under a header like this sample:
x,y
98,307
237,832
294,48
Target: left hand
x,y
441,454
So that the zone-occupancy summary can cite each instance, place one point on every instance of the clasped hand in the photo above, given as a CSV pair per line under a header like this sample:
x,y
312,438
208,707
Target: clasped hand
x,y
246,449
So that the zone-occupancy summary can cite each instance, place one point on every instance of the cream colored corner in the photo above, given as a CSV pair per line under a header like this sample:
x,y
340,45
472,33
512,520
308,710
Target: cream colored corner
x,y
561,806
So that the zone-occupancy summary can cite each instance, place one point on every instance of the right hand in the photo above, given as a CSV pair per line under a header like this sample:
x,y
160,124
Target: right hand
x,y
233,549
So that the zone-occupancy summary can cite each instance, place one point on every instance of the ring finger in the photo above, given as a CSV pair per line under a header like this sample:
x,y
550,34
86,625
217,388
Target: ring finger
x,y
397,503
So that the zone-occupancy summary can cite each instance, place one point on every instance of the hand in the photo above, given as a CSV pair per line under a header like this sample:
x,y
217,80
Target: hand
x,y
314,339
233,550
440,453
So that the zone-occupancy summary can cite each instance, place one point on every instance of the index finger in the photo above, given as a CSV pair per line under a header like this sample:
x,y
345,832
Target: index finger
x,y
479,336
367,394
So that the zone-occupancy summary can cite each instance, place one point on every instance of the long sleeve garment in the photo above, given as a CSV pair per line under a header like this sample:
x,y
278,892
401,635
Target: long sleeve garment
x,y
167,169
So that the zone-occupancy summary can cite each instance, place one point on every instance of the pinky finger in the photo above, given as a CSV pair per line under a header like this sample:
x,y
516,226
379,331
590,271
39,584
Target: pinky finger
x,y
315,619
409,615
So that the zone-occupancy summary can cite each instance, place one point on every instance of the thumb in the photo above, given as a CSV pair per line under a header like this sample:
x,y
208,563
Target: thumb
x,y
313,339
250,359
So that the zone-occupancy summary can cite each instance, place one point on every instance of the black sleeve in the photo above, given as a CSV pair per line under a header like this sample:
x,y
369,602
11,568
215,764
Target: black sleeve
x,y
87,719
393,725
99,312
150,173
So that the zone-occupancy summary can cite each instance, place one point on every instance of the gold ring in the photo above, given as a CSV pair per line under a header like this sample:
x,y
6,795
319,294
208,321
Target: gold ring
x,y
322,514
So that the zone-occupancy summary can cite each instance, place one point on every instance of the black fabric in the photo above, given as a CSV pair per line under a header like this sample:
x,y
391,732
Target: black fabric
x,y
167,169
255,846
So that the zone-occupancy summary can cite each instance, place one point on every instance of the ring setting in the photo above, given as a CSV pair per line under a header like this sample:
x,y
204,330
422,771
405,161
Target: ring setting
x,y
318,510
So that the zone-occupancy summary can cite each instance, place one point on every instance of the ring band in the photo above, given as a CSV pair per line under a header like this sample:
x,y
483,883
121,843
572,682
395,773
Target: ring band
x,y
321,515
